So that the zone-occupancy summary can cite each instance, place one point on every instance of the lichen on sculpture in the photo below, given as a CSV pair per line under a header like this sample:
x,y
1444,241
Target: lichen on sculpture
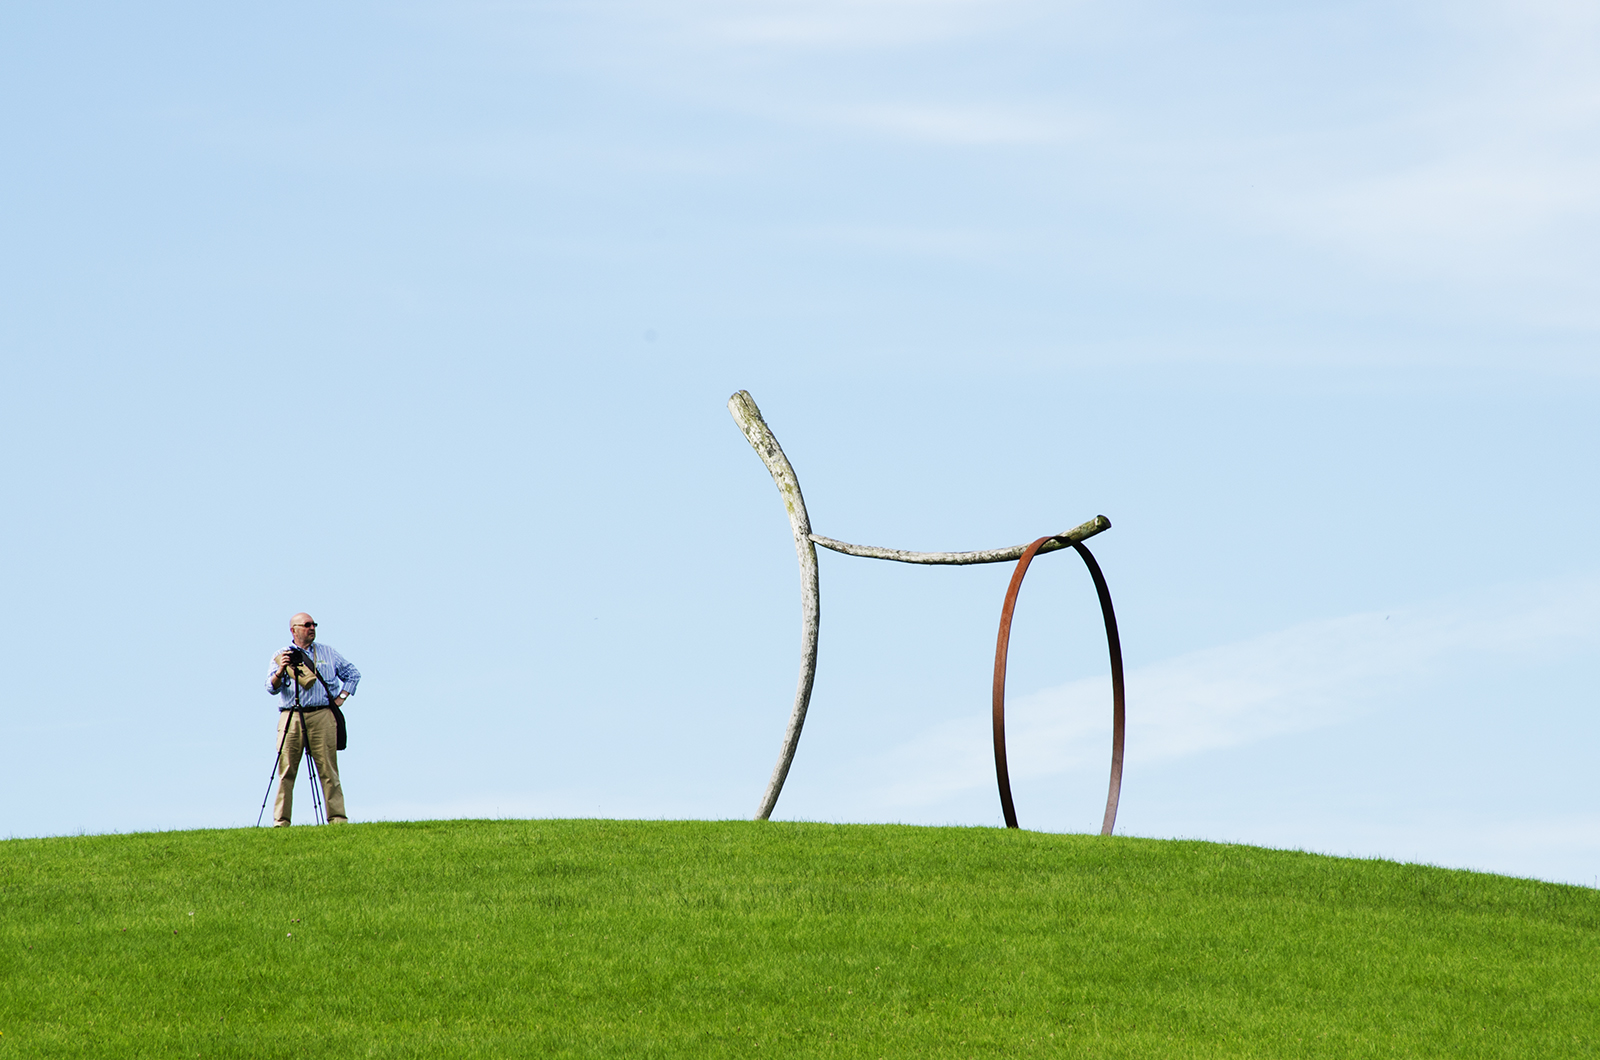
x,y
762,440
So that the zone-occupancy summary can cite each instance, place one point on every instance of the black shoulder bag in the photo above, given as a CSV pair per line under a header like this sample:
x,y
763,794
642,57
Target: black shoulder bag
x,y
338,715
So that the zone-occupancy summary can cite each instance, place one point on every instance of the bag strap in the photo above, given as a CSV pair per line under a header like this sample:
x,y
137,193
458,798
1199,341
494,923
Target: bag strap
x,y
339,743
326,689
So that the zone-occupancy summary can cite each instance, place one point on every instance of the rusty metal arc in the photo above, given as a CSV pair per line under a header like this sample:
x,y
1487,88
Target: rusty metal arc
x,y
1002,648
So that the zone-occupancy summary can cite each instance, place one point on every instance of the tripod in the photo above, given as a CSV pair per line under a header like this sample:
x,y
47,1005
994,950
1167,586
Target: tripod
x,y
299,713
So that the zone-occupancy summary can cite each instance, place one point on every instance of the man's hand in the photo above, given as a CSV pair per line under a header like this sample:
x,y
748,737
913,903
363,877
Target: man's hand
x,y
338,700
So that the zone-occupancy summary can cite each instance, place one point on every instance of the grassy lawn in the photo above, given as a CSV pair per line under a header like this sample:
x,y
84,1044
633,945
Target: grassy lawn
x,y
740,939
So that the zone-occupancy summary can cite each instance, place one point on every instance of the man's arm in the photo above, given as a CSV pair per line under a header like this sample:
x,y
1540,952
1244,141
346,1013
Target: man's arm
x,y
348,675
275,678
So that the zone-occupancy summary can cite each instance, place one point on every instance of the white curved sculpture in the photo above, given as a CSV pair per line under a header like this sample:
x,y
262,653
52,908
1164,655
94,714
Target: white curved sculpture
x,y
745,413
761,439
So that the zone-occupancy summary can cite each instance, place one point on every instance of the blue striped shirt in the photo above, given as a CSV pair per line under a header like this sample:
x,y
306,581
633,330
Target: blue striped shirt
x,y
334,668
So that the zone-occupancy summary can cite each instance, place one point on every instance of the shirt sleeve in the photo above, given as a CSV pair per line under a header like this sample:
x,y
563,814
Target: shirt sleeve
x,y
349,676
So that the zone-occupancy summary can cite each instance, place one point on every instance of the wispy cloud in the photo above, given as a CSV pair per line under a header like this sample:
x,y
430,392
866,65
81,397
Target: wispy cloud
x,y
840,23
1515,206
1430,161
1487,168
1306,677
966,125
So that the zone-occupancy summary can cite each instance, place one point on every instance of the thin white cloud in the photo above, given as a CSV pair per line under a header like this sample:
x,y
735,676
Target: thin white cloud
x,y
1470,213
1482,168
1487,168
840,23
965,125
1449,171
1306,677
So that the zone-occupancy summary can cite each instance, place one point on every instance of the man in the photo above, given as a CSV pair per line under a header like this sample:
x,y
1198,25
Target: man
x,y
333,675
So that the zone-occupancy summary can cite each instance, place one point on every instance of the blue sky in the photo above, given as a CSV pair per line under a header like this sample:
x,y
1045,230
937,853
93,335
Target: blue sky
x,y
422,318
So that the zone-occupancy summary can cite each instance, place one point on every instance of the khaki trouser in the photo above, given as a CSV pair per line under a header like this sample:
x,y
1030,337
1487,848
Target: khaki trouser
x,y
323,731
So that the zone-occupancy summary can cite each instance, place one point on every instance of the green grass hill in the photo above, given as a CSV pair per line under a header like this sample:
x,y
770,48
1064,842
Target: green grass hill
x,y
744,939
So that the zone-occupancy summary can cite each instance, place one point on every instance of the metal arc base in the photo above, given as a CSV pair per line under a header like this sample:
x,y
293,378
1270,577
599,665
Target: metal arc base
x,y
1118,695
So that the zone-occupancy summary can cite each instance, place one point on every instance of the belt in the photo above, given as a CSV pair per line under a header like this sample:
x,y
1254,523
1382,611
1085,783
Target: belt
x,y
308,710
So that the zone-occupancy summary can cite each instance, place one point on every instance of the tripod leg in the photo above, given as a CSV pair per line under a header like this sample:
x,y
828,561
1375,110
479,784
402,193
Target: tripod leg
x,y
315,781
311,772
289,769
305,749
314,778
276,758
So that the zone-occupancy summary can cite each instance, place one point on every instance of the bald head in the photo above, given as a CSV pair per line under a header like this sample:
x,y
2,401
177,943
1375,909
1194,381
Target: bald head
x,y
304,630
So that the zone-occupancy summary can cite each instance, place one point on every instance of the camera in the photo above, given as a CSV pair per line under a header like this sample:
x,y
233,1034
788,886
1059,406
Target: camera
x,y
296,657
